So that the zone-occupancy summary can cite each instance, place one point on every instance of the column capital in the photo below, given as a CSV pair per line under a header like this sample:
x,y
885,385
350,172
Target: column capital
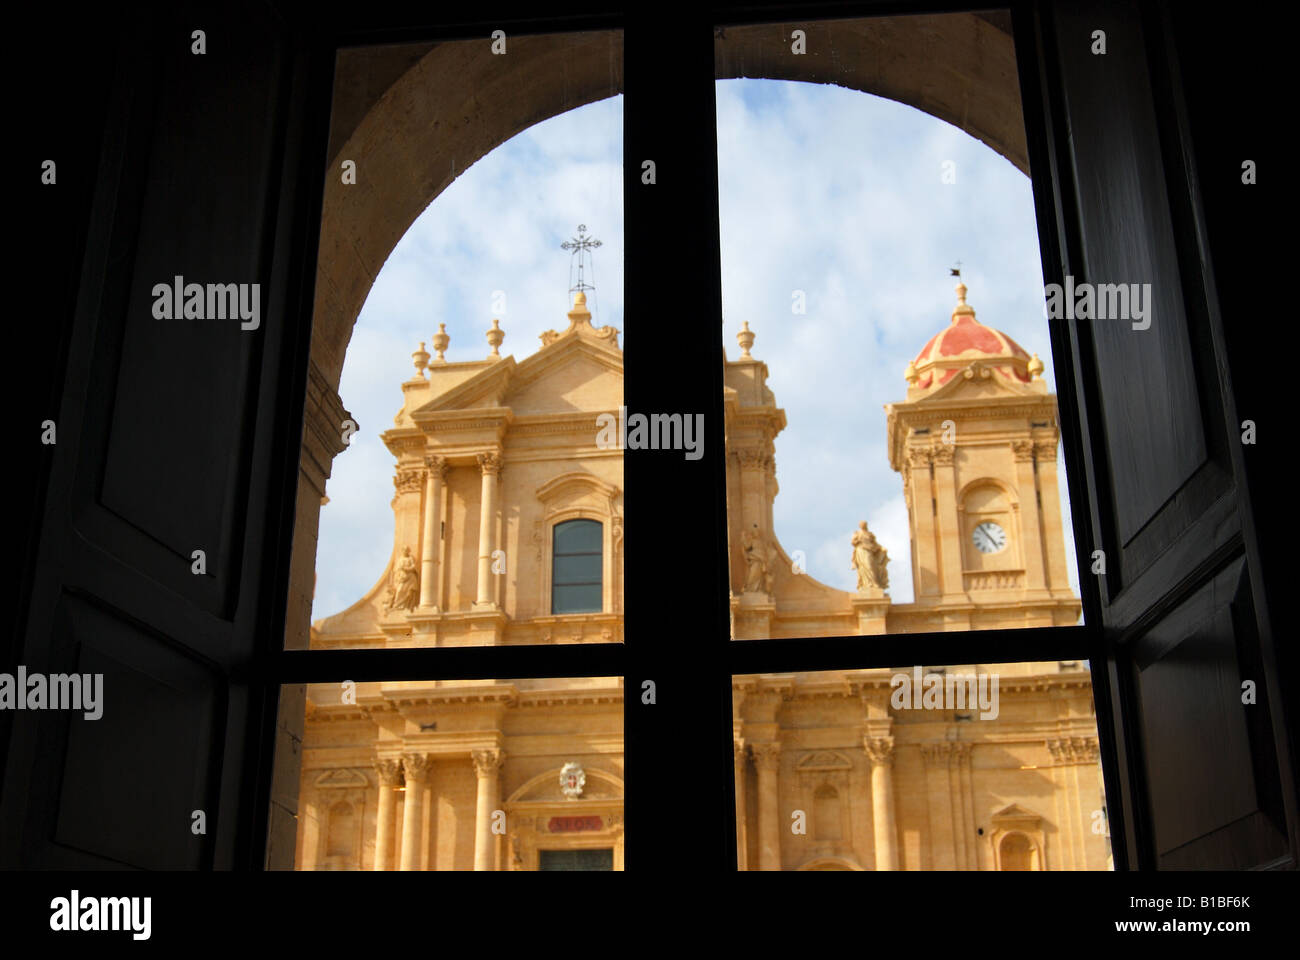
x,y
389,772
1024,449
436,465
767,756
487,762
937,752
489,463
738,750
1069,750
943,454
880,750
1045,450
417,766
407,480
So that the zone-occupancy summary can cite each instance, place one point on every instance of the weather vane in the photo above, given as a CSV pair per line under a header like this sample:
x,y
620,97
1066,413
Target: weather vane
x,y
581,247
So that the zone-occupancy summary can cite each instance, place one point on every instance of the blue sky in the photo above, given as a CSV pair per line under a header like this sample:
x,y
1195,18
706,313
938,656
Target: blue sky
x,y
822,189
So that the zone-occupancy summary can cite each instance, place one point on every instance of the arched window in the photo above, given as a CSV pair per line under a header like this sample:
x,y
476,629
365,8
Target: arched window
x,y
576,562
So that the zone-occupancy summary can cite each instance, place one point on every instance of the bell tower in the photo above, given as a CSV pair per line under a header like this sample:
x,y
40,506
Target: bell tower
x,y
976,441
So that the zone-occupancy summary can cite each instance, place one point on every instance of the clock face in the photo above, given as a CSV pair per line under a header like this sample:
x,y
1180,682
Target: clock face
x,y
988,537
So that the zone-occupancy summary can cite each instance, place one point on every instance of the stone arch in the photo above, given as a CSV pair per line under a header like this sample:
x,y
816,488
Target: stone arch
x,y
458,101
411,137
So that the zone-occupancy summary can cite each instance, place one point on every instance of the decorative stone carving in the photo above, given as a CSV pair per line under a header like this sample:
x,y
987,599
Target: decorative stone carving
x,y
1068,750
417,767
767,756
407,480
944,454
487,762
880,750
490,463
1023,449
870,559
389,772
572,779
919,457
436,465
759,555
1045,450
404,593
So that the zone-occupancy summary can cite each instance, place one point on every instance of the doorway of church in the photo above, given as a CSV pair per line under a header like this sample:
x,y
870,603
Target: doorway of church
x,y
601,859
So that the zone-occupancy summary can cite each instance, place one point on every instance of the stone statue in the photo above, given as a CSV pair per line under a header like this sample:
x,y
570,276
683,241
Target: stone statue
x,y
870,559
757,577
405,592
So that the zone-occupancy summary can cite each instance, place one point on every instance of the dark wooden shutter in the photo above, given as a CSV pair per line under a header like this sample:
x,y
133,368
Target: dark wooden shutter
x,y
173,436
1205,780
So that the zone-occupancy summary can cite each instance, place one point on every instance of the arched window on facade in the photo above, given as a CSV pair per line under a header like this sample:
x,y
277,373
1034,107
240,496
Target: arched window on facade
x,y
576,559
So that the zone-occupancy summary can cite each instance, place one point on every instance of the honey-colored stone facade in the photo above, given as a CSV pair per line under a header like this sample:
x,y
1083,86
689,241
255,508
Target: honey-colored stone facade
x,y
831,772
492,455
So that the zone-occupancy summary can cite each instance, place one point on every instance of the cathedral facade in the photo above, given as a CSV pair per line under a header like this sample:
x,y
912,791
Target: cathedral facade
x,y
508,529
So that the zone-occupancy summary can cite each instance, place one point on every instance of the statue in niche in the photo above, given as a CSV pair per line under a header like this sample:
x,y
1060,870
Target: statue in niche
x,y
870,559
758,555
405,591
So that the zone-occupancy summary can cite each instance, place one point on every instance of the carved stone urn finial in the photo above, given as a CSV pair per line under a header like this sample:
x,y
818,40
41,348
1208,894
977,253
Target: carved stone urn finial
x,y
440,342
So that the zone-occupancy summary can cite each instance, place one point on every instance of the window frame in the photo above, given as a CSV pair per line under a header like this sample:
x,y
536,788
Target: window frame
x,y
714,660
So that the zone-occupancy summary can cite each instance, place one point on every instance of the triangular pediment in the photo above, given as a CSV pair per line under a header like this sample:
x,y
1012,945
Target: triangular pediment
x,y
486,389
1014,811
342,777
571,375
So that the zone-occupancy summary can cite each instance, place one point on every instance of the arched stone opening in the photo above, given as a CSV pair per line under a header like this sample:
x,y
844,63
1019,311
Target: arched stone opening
x,y
412,137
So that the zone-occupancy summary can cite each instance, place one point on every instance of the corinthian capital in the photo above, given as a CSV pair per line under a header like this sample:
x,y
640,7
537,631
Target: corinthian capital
x,y
767,756
389,772
880,750
436,465
417,766
490,463
487,762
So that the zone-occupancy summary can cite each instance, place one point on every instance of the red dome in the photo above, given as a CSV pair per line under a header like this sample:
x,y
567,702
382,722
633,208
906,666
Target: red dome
x,y
966,339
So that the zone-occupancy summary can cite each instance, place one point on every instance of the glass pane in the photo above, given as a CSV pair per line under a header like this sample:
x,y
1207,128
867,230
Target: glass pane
x,y
576,599
465,343
577,536
910,428
963,767
392,775
580,569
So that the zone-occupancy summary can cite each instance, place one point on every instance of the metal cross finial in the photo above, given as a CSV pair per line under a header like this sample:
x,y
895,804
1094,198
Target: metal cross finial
x,y
956,271
581,246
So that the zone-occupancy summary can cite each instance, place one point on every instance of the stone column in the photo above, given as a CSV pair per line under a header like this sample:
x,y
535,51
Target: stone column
x,y
390,774
310,833
487,764
1053,522
417,768
490,465
950,533
435,473
738,746
880,750
767,757
1031,531
925,557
